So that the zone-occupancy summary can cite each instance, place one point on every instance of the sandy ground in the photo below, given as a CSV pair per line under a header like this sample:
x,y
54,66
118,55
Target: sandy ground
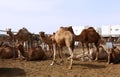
x,y
18,68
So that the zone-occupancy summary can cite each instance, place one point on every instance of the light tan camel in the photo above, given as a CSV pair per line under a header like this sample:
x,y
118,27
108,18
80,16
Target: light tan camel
x,y
63,37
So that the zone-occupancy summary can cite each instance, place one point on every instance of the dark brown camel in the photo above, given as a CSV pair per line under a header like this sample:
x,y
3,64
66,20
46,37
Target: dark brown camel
x,y
114,56
22,35
63,38
36,53
89,36
7,51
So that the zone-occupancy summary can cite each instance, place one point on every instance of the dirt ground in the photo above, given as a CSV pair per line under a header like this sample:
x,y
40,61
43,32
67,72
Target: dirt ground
x,y
18,68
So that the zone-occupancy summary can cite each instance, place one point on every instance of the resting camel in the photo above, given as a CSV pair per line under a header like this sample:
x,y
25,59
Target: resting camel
x,y
114,56
103,55
7,51
35,53
47,40
63,38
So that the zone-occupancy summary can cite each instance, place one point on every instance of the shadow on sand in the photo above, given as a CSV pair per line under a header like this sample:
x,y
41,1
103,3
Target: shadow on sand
x,y
12,72
93,66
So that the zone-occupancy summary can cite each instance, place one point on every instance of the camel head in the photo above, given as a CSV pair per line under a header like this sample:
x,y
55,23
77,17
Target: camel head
x,y
42,34
8,30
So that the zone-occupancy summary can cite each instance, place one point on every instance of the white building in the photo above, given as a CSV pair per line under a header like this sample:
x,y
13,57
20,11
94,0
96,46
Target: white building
x,y
104,30
78,29
110,30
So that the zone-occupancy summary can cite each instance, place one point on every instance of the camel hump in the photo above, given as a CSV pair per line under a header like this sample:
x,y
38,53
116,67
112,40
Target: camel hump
x,y
91,29
69,28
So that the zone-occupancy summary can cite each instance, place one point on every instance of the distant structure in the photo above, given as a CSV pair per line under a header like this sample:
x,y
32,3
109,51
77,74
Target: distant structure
x,y
110,30
104,30
78,29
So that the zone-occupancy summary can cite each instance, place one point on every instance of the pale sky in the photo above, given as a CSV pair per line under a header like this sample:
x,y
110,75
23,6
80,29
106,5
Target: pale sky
x,y
49,15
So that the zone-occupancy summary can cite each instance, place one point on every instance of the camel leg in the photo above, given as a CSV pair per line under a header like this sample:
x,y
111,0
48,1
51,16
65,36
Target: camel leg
x,y
97,52
83,52
109,52
71,58
51,51
60,56
54,54
87,48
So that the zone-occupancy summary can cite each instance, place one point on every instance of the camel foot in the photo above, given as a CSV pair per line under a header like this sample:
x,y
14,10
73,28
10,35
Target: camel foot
x,y
108,62
53,62
69,67
61,62
68,59
96,59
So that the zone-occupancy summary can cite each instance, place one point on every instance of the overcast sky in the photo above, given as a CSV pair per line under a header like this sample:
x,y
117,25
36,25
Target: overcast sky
x,y
49,15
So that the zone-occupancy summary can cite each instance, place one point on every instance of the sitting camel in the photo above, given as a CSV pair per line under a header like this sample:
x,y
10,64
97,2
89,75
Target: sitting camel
x,y
102,55
7,51
35,53
114,56
61,38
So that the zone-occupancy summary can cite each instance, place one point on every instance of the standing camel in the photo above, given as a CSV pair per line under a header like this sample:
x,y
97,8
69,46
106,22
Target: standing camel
x,y
63,37
87,36
47,40
22,35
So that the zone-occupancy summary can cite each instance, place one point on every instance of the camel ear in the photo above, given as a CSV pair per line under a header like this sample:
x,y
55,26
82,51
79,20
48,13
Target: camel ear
x,y
8,29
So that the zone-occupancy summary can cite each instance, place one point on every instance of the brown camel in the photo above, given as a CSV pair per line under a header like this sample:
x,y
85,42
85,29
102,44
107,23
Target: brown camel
x,y
87,36
22,35
35,53
47,40
115,56
7,51
63,38
90,36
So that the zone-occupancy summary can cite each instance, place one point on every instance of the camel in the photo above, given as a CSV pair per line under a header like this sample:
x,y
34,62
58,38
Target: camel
x,y
88,36
114,56
34,53
47,40
102,54
61,38
22,35
7,51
